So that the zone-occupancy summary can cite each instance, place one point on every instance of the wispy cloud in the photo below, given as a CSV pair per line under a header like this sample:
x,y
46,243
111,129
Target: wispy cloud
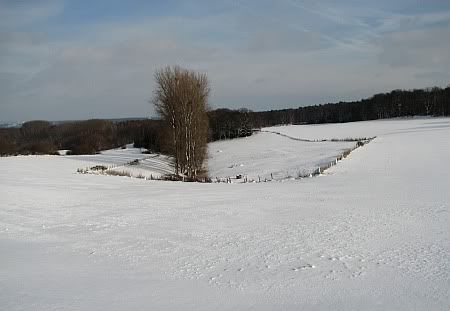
x,y
258,54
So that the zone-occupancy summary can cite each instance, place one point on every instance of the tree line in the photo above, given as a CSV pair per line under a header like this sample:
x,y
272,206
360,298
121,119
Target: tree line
x,y
92,136
80,137
398,103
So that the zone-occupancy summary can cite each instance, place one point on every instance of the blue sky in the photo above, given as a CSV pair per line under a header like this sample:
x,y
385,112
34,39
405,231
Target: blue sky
x,y
62,59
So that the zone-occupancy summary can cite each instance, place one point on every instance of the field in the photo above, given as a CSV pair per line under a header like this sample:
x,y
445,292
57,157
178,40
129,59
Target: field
x,y
371,233
130,161
268,156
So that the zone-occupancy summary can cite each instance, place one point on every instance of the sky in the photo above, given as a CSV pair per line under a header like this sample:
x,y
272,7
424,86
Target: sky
x,y
80,59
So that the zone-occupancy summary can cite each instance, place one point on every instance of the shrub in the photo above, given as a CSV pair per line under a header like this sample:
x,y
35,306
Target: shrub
x,y
99,168
117,173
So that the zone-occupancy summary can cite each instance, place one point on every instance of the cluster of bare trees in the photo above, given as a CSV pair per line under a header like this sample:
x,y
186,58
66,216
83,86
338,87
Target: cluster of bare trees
x,y
181,100
79,137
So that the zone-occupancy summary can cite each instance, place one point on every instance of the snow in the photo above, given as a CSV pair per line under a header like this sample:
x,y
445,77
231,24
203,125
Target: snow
x,y
370,234
269,156
113,157
63,152
363,129
148,165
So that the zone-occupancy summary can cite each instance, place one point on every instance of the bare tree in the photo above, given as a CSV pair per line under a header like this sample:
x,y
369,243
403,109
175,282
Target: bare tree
x,y
181,99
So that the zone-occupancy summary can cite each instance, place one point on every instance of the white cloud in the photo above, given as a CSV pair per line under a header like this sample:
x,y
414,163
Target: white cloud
x,y
106,69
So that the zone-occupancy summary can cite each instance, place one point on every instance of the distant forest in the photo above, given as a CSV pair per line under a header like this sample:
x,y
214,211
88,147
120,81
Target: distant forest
x,y
78,137
398,103
225,123
92,136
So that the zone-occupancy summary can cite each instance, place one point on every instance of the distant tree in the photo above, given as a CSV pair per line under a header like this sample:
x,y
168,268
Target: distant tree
x,y
8,141
79,137
181,100
36,129
226,123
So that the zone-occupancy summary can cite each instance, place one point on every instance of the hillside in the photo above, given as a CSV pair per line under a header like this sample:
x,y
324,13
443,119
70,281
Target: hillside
x,y
371,233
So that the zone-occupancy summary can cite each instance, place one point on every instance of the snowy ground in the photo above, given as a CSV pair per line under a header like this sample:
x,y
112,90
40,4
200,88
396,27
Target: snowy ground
x,y
371,234
121,160
263,156
269,156
362,129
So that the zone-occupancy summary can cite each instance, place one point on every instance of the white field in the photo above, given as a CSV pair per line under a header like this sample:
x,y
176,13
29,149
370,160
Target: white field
x,y
263,156
364,129
269,156
372,233
150,165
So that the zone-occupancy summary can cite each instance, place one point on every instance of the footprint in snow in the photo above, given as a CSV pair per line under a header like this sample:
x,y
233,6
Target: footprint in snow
x,y
304,267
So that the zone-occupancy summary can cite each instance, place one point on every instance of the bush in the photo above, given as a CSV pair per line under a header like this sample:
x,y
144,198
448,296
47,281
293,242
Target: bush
x,y
99,168
117,173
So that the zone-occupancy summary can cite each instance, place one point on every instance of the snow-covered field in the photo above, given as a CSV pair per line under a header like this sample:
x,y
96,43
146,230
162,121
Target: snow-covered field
x,y
263,156
364,129
270,156
121,160
372,233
